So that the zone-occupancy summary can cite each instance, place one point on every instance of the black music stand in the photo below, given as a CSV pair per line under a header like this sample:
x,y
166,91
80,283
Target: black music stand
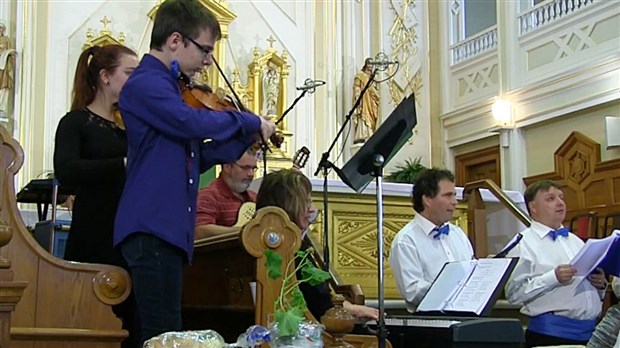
x,y
368,162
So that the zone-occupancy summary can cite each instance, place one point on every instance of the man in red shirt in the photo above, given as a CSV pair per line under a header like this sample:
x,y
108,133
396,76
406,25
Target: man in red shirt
x,y
219,203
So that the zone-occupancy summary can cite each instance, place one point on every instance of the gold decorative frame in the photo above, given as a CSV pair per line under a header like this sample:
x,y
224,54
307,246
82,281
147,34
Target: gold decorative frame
x,y
104,38
255,95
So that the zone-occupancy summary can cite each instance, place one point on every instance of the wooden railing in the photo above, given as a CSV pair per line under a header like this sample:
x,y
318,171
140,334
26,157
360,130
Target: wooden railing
x,y
477,213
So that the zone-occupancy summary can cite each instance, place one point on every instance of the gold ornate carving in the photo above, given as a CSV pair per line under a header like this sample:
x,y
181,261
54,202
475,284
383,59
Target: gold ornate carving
x,y
404,48
105,36
265,94
346,260
351,226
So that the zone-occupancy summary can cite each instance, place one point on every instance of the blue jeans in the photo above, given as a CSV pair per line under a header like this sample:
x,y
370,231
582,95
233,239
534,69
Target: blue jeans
x,y
156,269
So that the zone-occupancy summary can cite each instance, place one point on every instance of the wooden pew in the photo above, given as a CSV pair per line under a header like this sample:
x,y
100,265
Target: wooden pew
x,y
64,304
217,293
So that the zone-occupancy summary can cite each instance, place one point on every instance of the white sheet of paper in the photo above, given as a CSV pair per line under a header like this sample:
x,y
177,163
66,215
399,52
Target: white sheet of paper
x,y
444,286
480,286
591,255
464,286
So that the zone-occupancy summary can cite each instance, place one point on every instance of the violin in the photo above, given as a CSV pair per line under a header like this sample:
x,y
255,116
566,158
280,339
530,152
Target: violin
x,y
202,96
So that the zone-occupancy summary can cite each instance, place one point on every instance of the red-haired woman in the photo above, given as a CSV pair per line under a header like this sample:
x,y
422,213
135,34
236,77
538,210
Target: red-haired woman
x,y
90,153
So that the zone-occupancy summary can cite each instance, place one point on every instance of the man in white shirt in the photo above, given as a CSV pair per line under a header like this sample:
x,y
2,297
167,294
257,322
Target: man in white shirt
x,y
562,307
427,242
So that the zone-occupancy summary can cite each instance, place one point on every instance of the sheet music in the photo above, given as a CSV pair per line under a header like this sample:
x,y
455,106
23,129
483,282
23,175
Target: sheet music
x,y
465,286
480,286
445,285
591,254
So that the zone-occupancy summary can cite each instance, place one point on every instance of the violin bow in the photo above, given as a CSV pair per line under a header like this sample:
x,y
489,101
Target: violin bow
x,y
238,103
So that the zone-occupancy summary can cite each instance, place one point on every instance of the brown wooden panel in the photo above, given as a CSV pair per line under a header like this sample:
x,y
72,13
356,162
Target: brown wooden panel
x,y
615,190
478,165
589,185
595,194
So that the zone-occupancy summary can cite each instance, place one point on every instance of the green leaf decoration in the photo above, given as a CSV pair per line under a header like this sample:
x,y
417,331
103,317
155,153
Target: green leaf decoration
x,y
273,264
290,306
298,301
313,275
288,322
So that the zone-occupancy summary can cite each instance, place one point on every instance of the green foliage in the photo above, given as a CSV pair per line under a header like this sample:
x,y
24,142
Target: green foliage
x,y
406,173
290,306
273,264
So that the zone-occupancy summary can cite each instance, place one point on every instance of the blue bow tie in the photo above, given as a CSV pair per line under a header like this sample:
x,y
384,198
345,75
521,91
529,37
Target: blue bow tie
x,y
445,229
559,232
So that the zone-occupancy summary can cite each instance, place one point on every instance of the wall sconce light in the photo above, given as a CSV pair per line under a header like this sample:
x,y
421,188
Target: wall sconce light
x,y
502,112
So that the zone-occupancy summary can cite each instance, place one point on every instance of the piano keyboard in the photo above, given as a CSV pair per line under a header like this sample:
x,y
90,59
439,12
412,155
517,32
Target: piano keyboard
x,y
418,322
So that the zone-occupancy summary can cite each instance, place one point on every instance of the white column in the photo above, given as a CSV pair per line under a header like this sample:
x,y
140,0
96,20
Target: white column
x,y
512,157
5,14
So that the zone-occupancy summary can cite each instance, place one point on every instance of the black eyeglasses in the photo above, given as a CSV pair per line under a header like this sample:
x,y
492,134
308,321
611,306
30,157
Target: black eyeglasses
x,y
206,51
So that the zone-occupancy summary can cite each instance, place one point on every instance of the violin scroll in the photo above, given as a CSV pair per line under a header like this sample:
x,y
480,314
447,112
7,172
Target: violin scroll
x,y
276,139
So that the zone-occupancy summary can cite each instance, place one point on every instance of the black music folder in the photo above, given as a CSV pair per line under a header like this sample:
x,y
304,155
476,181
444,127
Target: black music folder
x,y
393,133
467,288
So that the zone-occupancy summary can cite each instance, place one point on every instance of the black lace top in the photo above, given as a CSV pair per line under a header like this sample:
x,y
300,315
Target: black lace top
x,y
89,155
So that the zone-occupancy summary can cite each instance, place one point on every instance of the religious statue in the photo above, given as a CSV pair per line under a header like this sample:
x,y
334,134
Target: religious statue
x,y
7,73
367,113
271,88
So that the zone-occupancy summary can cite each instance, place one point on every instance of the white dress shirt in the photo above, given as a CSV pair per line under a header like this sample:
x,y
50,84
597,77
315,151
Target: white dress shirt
x,y
533,282
417,257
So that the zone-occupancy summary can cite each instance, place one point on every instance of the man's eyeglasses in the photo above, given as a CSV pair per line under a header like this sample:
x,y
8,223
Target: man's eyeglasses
x,y
247,168
204,50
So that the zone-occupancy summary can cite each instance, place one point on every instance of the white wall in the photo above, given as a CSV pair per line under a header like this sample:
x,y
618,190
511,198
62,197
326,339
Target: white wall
x,y
324,40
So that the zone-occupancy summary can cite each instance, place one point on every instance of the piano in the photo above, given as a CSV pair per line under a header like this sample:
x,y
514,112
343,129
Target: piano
x,y
453,332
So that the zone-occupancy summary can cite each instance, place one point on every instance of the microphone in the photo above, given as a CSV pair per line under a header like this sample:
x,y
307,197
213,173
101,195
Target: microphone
x,y
310,85
381,61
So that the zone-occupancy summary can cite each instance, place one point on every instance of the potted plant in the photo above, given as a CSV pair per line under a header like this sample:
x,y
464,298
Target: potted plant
x,y
290,306
406,173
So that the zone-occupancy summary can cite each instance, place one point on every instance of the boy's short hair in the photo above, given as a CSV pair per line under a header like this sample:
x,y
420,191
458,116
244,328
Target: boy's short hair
x,y
187,17
427,184
533,189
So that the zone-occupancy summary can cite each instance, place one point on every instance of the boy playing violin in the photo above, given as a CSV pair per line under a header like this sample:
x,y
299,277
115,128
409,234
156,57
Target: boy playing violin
x,y
154,227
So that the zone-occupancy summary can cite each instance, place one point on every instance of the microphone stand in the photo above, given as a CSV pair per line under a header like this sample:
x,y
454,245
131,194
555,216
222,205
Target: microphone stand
x,y
325,164
280,119
291,106
508,248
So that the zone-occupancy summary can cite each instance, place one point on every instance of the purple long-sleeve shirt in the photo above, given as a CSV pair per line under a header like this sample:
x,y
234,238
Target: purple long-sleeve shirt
x,y
166,154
